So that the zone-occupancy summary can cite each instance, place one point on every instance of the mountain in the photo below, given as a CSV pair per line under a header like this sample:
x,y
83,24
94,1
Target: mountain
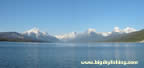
x,y
66,37
14,36
137,36
92,36
33,35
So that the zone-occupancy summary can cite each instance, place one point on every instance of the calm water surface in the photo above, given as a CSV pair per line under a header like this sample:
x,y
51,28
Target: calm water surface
x,y
68,55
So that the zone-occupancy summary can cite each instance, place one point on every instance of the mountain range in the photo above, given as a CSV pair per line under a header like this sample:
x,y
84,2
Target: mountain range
x,y
92,36
35,35
32,35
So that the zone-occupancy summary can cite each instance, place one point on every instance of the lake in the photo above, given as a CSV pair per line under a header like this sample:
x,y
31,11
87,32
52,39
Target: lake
x,y
68,55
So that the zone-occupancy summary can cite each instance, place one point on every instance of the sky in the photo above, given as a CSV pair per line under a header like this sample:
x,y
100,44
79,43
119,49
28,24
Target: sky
x,y
64,16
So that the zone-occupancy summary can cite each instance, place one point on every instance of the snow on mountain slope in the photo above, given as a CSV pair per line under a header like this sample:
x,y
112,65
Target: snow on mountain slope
x,y
92,35
90,30
67,36
35,33
117,29
129,30
125,30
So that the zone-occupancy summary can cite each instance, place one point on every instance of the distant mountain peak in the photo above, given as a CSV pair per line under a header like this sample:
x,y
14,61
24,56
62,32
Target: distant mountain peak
x,y
36,34
91,30
116,29
125,30
33,30
65,36
129,30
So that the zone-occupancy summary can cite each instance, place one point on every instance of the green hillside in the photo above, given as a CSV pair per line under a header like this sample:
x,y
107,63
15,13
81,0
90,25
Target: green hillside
x,y
131,37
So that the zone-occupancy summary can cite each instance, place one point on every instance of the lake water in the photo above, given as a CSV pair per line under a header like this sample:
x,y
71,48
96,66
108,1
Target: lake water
x,y
68,55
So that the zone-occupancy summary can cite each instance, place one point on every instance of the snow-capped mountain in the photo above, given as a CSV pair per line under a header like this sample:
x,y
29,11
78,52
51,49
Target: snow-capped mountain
x,y
91,35
126,30
16,37
66,37
35,33
32,35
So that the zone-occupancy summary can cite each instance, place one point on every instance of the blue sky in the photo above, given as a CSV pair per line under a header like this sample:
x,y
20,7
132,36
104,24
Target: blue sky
x,y
63,16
